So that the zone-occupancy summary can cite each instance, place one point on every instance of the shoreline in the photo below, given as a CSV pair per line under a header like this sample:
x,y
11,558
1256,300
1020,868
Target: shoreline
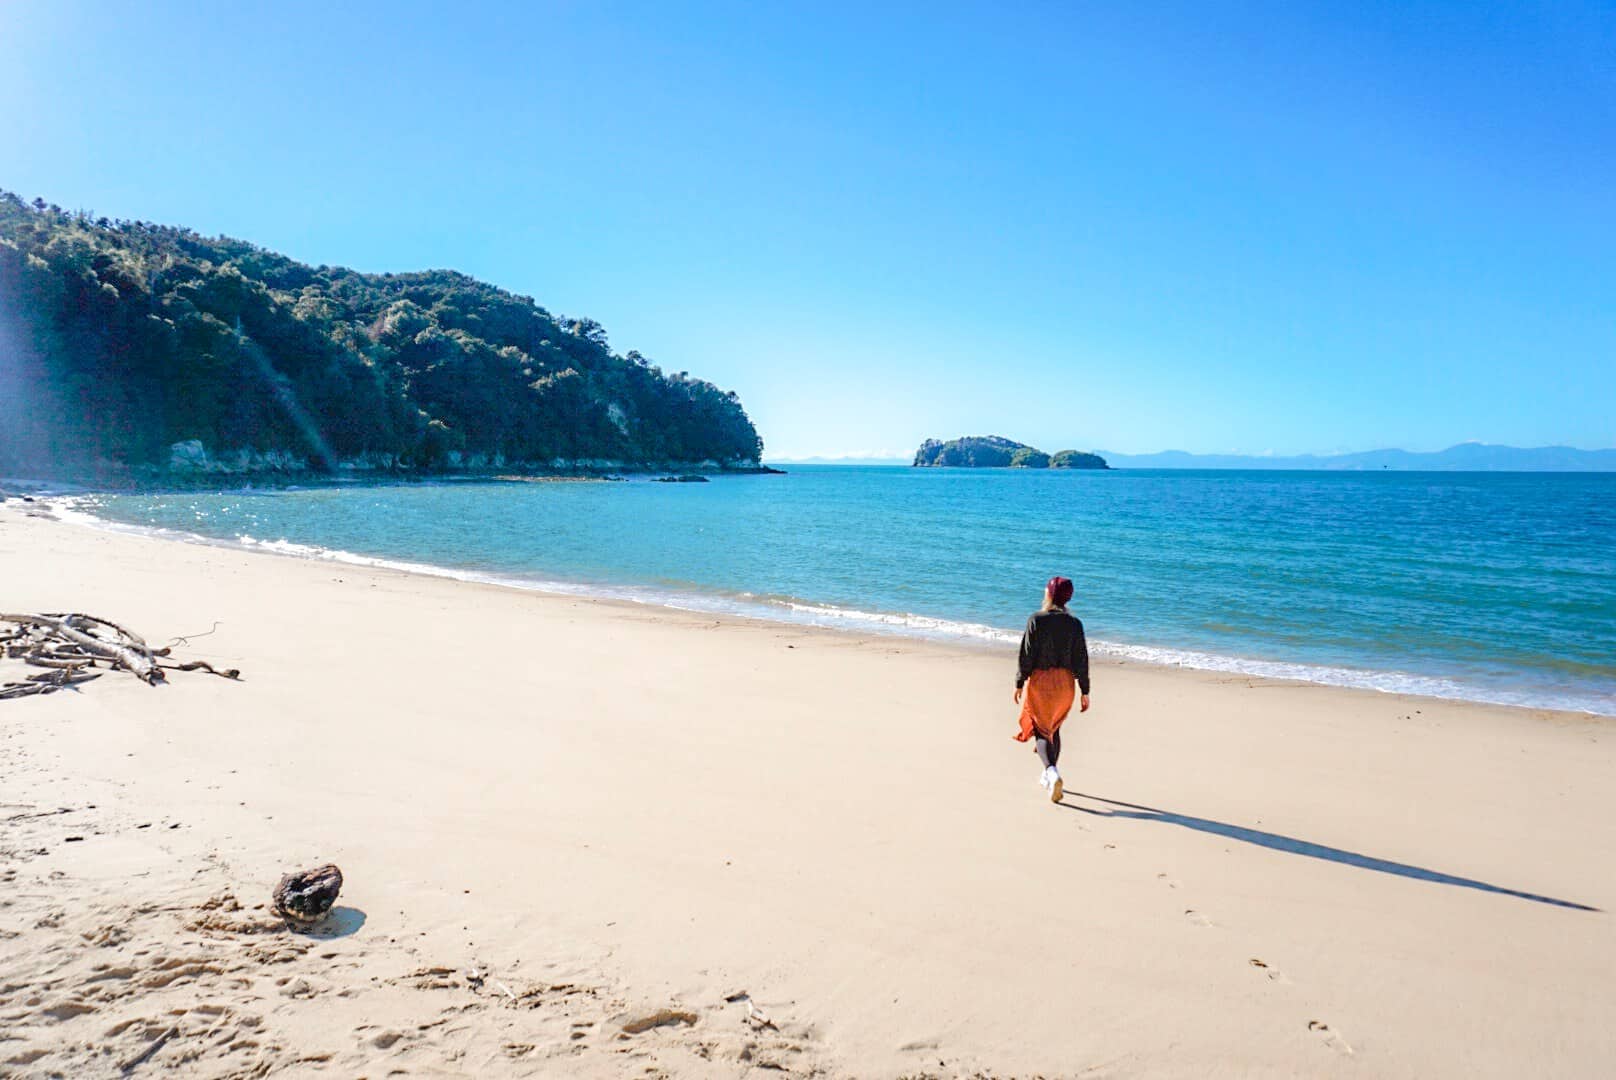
x,y
161,481
652,828
831,618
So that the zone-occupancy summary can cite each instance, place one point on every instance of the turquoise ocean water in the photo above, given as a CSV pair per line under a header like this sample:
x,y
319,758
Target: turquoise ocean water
x,y
1485,586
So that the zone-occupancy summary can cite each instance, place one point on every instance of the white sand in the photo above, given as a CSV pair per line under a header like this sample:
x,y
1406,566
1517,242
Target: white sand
x,y
838,826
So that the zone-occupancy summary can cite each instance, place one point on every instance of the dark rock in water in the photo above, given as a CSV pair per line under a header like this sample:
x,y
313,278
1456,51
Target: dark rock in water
x,y
304,898
680,480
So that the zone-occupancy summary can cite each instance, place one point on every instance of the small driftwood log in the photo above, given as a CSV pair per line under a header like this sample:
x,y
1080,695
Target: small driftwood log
x,y
304,898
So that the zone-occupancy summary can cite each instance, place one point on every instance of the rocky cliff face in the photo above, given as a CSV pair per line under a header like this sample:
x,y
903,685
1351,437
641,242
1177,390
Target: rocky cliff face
x,y
997,452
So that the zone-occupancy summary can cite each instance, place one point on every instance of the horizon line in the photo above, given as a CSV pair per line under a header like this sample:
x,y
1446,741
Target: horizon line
x,y
1259,455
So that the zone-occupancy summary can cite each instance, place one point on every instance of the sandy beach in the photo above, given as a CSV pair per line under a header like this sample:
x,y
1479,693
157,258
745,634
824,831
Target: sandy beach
x,y
585,838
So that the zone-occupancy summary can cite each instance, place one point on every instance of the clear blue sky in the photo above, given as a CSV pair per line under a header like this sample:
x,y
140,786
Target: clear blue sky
x,y
1255,227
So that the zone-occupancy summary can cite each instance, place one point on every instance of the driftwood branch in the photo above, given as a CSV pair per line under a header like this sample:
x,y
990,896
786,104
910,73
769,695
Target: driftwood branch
x,y
44,683
202,665
39,659
145,1055
128,635
185,639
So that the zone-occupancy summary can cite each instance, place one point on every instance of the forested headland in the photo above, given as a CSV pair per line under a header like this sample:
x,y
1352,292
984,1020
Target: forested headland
x,y
129,347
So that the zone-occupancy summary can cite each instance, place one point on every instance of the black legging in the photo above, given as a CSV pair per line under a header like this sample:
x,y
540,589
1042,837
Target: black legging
x,y
1048,750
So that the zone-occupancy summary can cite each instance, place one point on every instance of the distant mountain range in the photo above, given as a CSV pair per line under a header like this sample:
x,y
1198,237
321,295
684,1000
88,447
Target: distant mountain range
x,y
1466,457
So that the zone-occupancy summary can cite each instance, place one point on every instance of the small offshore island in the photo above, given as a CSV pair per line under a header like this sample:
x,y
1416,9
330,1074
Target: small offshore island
x,y
997,452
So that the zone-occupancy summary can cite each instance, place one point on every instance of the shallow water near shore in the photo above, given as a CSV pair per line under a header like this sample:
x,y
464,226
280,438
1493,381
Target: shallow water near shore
x,y
1495,587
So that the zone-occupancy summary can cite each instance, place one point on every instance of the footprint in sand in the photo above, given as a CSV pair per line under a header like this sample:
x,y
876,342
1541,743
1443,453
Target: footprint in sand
x,y
1268,969
177,968
1332,1039
297,987
1197,918
67,1010
102,973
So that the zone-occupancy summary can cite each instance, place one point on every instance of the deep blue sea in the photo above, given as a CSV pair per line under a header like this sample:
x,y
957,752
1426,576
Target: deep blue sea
x,y
1487,586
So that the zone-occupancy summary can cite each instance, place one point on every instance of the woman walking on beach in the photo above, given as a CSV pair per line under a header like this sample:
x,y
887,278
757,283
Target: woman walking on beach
x,y
1054,655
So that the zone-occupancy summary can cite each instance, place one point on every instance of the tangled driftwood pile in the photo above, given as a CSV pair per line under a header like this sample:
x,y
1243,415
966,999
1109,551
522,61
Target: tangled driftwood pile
x,y
72,647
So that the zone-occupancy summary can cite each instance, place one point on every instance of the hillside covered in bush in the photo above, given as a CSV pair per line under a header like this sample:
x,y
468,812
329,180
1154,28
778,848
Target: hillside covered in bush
x,y
121,339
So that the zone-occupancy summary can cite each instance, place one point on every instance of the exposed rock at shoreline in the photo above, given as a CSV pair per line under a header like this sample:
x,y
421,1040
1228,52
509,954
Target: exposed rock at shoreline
x,y
190,464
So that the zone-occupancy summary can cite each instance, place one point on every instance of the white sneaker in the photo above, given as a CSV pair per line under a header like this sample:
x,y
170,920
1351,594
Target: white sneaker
x,y
1045,780
1057,787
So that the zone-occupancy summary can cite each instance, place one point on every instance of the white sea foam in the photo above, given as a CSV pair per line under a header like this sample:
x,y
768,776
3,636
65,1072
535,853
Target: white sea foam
x,y
1390,682
79,510
914,625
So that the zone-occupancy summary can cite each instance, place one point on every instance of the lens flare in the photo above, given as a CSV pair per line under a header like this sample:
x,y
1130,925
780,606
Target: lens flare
x,y
286,397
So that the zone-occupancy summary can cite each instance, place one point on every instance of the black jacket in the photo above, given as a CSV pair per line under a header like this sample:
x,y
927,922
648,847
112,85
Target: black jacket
x,y
1054,639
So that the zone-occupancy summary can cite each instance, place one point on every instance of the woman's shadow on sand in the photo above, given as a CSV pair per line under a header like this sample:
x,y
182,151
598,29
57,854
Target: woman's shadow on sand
x,y
1118,809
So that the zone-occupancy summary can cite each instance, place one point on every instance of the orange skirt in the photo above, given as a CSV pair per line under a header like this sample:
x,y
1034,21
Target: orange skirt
x,y
1046,701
